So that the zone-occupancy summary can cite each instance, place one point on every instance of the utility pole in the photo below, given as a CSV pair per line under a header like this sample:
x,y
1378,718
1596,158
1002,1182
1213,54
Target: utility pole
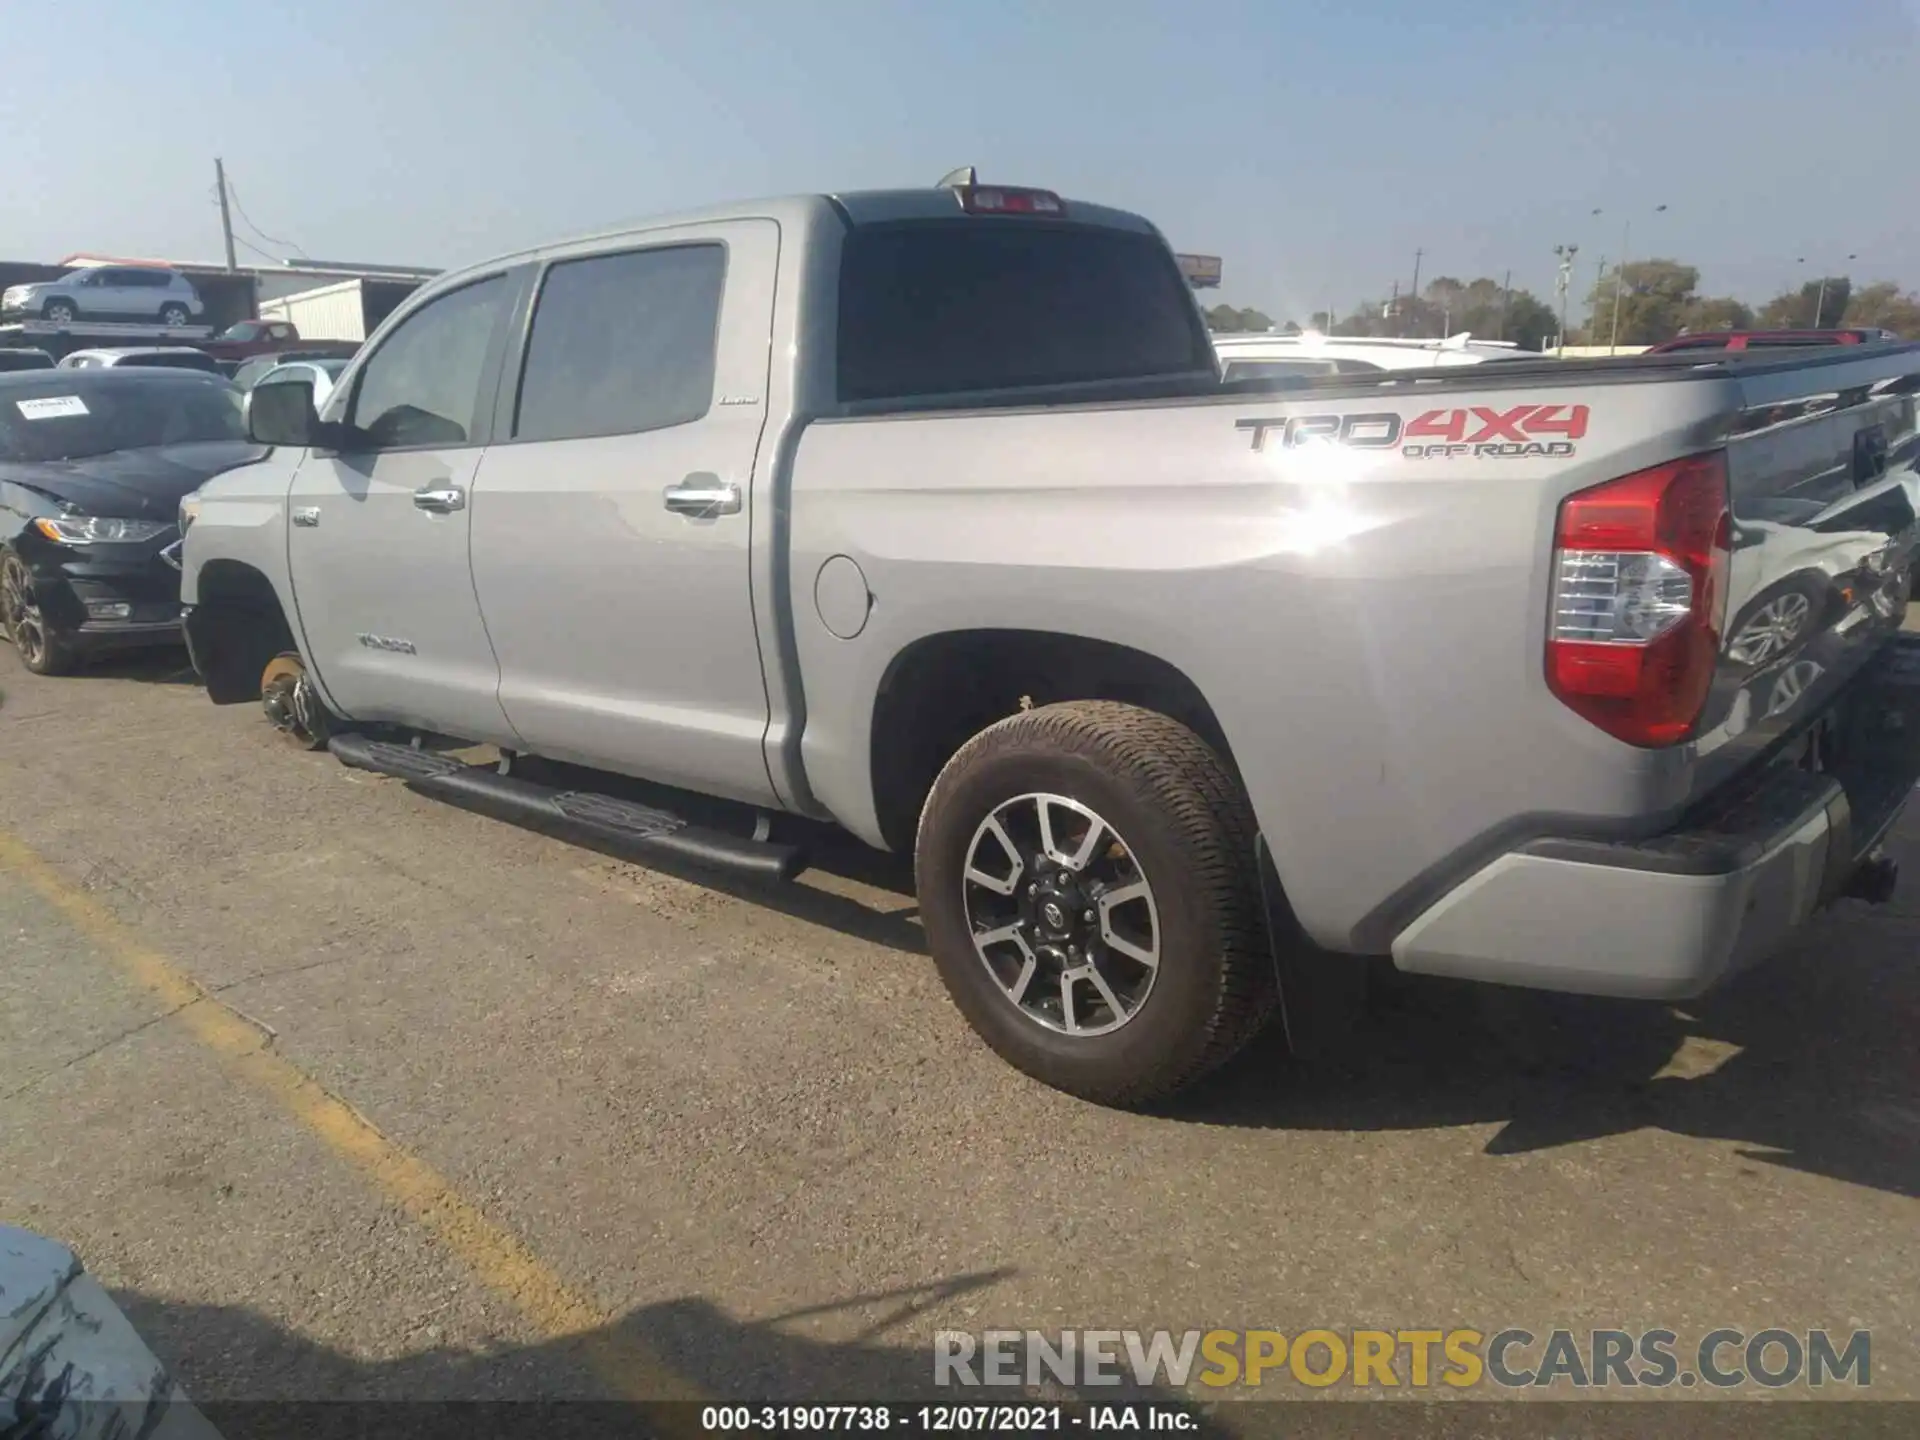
x,y
1820,305
1413,295
1506,299
226,220
1563,283
1619,278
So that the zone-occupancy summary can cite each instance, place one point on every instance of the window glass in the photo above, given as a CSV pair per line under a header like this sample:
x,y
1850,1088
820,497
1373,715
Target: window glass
x,y
116,413
946,307
1271,369
422,386
176,360
622,343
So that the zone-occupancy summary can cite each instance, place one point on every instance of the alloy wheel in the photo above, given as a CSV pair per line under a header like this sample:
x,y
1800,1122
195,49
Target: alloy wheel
x,y
20,612
1773,628
1061,915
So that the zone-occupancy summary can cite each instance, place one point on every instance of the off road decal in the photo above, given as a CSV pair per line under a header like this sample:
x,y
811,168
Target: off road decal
x,y
1478,431
1486,433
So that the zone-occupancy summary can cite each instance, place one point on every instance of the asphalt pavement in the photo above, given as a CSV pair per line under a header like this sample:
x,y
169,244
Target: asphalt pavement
x,y
344,1093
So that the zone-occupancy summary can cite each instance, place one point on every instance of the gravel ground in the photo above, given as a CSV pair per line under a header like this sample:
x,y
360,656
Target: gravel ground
x,y
747,1135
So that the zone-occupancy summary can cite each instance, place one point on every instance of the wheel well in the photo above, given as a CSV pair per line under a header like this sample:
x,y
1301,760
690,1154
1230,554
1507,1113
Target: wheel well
x,y
237,627
943,690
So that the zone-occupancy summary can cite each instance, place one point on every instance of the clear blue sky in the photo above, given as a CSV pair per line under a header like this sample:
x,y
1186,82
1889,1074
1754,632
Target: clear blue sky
x,y
1312,143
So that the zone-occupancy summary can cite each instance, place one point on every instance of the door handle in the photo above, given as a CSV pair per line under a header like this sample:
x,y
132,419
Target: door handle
x,y
440,499
703,497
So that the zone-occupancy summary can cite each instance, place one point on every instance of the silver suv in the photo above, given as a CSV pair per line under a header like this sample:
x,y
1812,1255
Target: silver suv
x,y
107,292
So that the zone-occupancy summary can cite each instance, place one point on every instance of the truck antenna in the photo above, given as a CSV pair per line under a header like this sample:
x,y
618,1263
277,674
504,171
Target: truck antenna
x,y
963,178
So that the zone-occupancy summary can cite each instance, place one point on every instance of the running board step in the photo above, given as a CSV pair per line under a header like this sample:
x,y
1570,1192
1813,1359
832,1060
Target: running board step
x,y
640,831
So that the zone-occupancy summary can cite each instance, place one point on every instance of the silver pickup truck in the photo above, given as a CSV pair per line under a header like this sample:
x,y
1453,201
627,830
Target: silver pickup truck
x,y
929,514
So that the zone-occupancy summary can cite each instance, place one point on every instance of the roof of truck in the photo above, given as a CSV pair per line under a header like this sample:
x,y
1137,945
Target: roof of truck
x,y
860,207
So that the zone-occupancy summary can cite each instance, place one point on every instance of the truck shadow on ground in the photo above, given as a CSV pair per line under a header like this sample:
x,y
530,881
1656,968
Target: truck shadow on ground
x,y
252,1376
1808,1061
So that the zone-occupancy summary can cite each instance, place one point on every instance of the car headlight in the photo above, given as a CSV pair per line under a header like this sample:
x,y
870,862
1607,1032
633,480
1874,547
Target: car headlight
x,y
97,529
189,512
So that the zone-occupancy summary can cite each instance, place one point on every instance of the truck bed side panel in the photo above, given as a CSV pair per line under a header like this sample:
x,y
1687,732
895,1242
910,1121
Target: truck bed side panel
x,y
1366,624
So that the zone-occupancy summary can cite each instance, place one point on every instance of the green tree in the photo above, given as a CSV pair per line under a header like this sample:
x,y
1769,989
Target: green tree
x,y
1884,305
1226,320
1482,308
1651,297
1719,312
1808,308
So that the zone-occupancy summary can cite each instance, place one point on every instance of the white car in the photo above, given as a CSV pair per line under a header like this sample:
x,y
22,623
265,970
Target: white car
x,y
320,374
107,292
170,357
1257,357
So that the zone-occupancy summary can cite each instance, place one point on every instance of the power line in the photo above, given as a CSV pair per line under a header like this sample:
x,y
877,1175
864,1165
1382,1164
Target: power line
x,y
242,240
247,219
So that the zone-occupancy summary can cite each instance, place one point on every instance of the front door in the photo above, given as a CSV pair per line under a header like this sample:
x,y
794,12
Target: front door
x,y
612,521
378,539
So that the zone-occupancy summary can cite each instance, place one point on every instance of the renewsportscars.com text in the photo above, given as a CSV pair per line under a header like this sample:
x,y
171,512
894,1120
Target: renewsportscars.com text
x,y
1417,1359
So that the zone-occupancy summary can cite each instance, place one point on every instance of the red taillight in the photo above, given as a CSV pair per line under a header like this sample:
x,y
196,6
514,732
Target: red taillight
x,y
1000,200
1639,583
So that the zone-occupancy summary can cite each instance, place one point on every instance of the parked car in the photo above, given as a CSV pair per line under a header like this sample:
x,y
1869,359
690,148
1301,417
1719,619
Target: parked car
x,y
927,512
258,338
248,373
93,464
170,357
1266,357
1735,340
317,375
24,360
107,292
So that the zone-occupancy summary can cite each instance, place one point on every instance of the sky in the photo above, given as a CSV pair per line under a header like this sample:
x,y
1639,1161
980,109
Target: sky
x,y
1315,145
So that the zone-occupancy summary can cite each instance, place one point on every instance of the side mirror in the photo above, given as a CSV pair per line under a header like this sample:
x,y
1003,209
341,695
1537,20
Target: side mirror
x,y
281,413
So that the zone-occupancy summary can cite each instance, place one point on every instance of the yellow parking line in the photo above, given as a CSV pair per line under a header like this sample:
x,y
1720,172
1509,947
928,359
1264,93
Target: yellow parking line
x,y
497,1258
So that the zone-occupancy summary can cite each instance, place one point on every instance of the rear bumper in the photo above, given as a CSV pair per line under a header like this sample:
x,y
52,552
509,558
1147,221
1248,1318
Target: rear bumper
x,y
1673,915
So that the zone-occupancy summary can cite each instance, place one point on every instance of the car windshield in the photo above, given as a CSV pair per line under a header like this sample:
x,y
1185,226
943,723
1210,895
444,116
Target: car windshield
x,y
245,330
65,419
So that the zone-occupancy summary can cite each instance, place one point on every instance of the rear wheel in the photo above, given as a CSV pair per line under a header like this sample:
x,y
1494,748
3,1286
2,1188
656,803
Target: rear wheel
x,y
174,314
1088,883
292,703
42,648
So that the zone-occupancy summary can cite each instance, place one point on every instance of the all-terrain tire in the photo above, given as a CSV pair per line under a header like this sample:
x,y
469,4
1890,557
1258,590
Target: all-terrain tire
x,y
1178,808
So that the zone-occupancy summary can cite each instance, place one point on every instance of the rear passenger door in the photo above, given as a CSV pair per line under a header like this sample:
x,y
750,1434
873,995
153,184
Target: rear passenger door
x,y
127,295
611,523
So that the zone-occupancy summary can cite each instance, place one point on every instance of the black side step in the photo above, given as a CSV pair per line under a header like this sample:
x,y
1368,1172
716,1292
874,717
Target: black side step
x,y
640,831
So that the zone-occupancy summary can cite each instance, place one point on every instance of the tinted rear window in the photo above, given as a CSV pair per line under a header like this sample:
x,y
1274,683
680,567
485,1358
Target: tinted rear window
x,y
948,307
181,360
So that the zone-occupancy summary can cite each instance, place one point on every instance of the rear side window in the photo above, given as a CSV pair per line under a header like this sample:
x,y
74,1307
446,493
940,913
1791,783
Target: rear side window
x,y
622,343
948,307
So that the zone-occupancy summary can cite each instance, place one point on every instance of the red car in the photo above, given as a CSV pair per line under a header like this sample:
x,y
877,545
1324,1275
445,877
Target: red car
x,y
1770,339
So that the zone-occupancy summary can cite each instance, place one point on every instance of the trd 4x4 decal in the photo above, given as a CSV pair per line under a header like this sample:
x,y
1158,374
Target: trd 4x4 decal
x,y
1480,431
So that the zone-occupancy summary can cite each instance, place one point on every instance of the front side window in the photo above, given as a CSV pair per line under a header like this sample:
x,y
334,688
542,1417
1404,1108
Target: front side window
x,y
622,343
422,386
